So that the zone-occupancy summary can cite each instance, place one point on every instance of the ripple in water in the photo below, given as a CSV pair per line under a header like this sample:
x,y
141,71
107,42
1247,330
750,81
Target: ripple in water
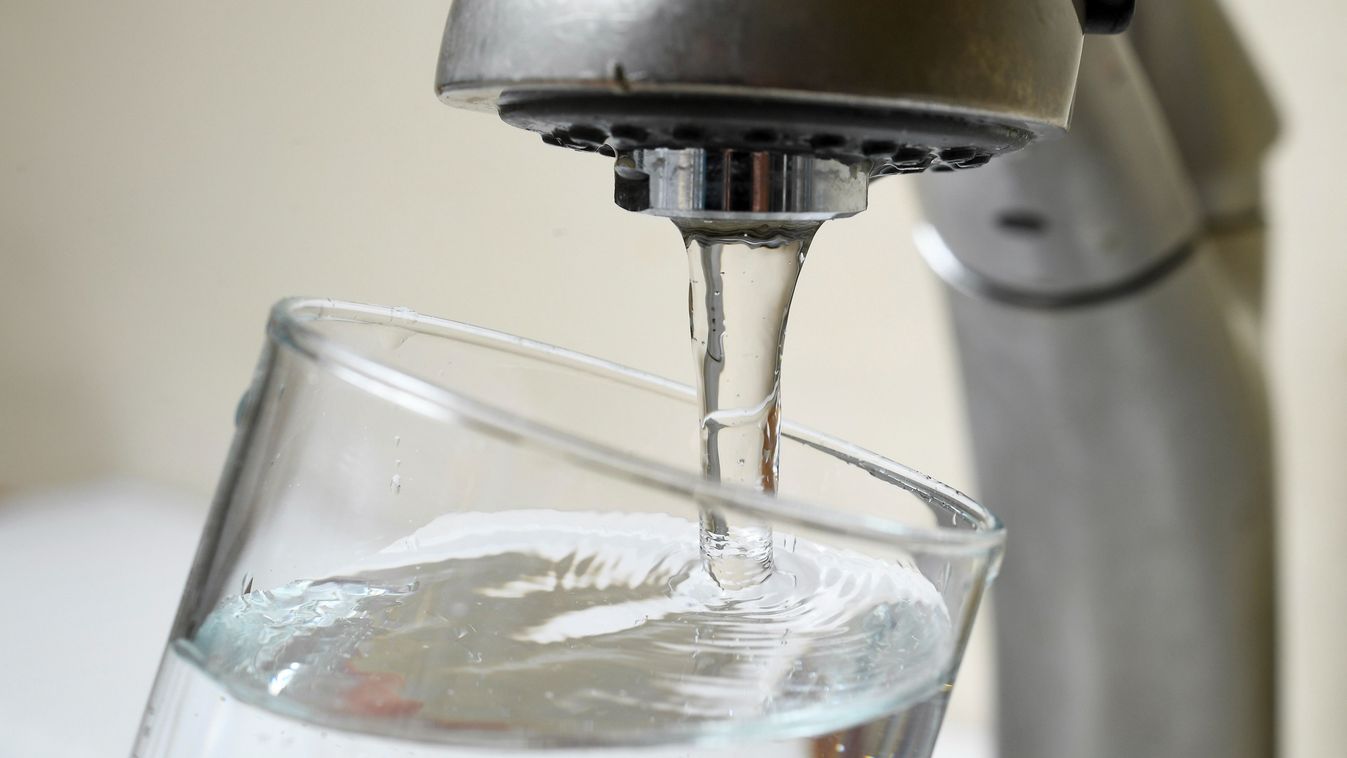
x,y
549,623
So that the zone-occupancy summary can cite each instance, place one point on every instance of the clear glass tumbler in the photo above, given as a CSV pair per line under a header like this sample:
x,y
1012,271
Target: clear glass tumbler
x,y
435,540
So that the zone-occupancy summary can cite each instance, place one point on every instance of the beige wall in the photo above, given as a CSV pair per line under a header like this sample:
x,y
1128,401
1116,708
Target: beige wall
x,y
168,169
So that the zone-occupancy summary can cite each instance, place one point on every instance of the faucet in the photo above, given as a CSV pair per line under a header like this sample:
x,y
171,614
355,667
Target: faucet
x,y
1093,204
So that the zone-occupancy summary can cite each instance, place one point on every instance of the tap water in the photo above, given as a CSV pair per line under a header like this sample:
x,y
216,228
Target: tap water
x,y
568,630
625,634
742,279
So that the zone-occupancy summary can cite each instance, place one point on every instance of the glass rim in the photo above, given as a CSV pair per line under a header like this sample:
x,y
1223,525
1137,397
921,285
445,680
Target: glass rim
x,y
288,327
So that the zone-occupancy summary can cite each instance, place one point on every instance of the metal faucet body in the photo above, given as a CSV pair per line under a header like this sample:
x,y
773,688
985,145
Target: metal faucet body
x,y
1106,312
1104,286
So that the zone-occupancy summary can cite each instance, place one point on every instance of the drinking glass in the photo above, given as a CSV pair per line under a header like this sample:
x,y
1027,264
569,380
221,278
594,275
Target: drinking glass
x,y
436,540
